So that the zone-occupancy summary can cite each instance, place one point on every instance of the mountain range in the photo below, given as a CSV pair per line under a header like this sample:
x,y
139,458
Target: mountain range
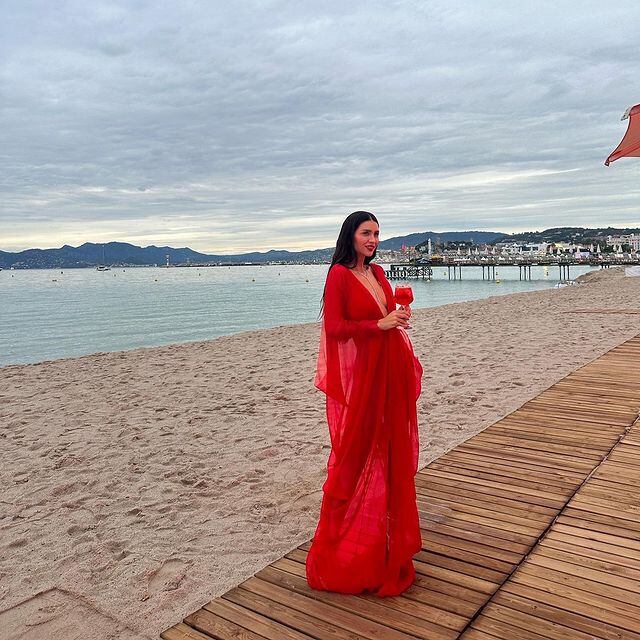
x,y
90,254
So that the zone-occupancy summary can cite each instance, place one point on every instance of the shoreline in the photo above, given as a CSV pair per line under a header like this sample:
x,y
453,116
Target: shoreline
x,y
146,482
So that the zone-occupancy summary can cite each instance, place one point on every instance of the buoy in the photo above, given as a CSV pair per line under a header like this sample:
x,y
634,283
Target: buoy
x,y
253,279
307,280
498,281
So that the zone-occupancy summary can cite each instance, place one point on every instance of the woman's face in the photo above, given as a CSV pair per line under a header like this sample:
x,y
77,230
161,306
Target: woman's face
x,y
366,238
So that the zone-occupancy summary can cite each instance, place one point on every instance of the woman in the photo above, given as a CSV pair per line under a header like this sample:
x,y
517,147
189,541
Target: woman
x,y
368,530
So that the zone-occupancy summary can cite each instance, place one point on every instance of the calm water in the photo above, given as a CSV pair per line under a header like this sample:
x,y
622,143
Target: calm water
x,y
48,314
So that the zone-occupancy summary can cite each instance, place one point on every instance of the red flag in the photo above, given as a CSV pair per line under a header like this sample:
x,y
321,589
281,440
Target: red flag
x,y
630,145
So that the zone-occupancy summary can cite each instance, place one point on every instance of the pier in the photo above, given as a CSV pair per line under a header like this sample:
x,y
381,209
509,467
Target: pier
x,y
423,269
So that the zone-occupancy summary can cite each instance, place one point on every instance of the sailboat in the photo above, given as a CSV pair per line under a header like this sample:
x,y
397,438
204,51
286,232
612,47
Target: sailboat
x,y
103,267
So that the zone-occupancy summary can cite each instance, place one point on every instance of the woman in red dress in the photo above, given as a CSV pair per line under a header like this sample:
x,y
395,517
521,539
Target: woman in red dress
x,y
368,531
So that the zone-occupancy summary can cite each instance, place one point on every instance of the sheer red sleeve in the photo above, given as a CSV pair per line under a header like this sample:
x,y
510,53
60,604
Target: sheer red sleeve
x,y
336,324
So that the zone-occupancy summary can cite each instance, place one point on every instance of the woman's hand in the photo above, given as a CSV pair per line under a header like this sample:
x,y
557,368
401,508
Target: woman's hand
x,y
397,318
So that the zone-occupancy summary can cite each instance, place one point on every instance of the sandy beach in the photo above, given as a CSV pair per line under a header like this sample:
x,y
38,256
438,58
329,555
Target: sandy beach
x,y
138,485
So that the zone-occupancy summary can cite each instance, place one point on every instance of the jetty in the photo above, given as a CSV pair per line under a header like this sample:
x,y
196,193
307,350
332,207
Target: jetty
x,y
423,269
530,530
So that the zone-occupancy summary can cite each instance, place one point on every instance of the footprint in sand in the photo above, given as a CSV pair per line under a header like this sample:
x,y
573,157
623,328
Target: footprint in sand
x,y
167,578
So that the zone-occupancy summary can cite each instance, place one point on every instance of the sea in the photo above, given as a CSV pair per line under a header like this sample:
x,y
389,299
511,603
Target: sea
x,y
46,314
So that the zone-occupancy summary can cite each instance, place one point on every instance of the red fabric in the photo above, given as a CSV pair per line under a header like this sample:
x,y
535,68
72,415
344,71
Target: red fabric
x,y
368,530
630,144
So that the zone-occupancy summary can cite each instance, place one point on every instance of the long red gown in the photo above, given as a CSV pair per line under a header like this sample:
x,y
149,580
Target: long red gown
x,y
368,530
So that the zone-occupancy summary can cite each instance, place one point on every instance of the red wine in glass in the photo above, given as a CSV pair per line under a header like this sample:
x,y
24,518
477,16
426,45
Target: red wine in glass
x,y
404,297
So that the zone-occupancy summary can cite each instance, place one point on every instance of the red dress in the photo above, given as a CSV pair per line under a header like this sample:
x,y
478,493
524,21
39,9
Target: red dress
x,y
368,530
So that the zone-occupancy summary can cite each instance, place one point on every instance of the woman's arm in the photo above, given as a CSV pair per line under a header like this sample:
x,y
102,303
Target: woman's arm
x,y
336,325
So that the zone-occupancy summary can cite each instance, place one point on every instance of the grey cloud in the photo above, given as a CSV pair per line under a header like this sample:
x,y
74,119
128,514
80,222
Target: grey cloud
x,y
259,112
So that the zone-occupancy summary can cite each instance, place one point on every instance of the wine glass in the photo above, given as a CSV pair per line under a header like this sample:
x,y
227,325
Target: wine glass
x,y
404,297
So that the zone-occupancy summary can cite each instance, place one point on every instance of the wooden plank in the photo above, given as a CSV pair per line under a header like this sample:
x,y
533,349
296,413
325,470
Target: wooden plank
x,y
549,629
301,621
438,623
432,539
581,560
219,628
554,461
592,549
504,515
460,566
598,485
323,608
507,530
616,623
479,559
547,458
543,467
517,477
493,498
548,436
442,585
499,629
542,496
469,582
584,453
583,529
470,524
181,631
573,589
595,525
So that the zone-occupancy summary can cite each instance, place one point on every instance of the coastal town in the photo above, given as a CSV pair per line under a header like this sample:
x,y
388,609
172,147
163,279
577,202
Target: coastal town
x,y
611,247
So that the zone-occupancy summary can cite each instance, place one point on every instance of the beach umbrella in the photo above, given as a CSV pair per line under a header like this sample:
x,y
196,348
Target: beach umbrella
x,y
630,144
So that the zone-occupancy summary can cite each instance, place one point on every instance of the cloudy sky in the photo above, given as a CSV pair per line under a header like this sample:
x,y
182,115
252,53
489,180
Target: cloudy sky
x,y
254,125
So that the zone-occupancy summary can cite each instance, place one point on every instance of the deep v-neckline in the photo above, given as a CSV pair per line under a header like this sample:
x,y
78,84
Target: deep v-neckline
x,y
371,295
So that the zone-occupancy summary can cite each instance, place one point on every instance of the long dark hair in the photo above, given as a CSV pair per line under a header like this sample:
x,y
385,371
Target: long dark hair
x,y
344,252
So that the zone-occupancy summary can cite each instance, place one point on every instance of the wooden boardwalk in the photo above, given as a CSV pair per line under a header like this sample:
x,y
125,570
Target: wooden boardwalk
x,y
530,530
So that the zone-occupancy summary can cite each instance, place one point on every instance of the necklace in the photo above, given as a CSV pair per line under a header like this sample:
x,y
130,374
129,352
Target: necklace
x,y
373,290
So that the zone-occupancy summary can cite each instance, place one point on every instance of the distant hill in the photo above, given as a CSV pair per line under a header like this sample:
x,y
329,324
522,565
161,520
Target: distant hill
x,y
122,253
413,239
90,254
568,234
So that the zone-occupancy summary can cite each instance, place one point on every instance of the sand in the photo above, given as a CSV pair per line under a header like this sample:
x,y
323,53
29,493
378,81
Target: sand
x,y
138,485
